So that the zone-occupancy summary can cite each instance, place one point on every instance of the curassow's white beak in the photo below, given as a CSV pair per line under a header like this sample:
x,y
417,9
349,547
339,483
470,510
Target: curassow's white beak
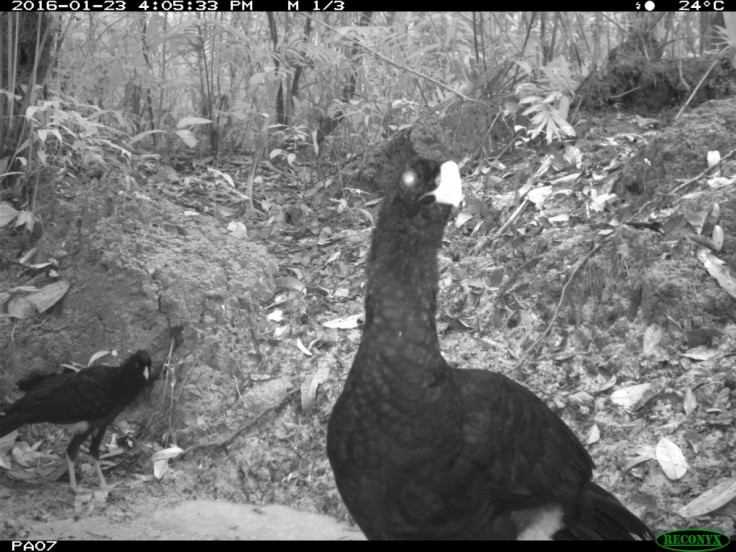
x,y
449,188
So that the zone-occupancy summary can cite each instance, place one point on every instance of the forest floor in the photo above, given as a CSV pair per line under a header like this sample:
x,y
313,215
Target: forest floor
x,y
636,391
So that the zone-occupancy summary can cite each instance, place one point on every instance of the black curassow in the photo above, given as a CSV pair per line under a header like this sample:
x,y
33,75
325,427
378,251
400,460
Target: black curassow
x,y
85,402
422,450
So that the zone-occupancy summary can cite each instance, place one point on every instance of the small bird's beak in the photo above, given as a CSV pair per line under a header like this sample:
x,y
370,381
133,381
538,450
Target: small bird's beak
x,y
147,372
449,186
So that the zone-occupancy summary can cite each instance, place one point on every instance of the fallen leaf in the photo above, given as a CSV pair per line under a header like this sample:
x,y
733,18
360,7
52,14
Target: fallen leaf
x,y
713,157
593,436
539,195
671,459
160,467
716,268
49,295
635,461
289,282
237,229
599,202
20,308
167,453
6,445
712,499
276,316
302,348
600,383
689,403
100,354
699,353
635,396
462,218
719,182
344,323
711,219
717,237
25,217
652,337
311,384
7,213
694,217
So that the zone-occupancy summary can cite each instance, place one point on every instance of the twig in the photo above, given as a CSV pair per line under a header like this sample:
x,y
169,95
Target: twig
x,y
515,215
582,262
687,102
702,173
246,428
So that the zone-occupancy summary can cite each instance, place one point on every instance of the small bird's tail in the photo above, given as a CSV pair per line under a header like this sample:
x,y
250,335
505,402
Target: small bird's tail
x,y
608,519
8,420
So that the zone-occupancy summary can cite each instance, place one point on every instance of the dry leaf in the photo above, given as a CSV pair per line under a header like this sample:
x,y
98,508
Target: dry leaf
x,y
462,218
689,403
564,217
167,453
25,217
237,229
49,295
161,459
100,354
599,202
717,238
671,459
695,218
311,384
593,436
289,282
636,461
539,195
563,180
344,323
6,444
699,353
600,383
26,455
276,316
720,182
716,268
712,499
652,337
711,219
713,157
20,308
302,348
160,467
635,396
7,213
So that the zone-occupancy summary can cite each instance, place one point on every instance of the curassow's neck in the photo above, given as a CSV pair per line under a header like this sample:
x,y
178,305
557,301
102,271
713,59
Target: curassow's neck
x,y
401,299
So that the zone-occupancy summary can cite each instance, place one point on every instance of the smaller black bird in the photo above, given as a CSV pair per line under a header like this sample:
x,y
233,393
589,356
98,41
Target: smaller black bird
x,y
85,402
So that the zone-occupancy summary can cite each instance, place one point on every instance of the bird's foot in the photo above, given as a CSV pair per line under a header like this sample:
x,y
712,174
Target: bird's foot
x,y
79,490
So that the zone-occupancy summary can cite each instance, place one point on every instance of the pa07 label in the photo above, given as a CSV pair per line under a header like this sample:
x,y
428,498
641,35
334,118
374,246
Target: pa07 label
x,y
692,540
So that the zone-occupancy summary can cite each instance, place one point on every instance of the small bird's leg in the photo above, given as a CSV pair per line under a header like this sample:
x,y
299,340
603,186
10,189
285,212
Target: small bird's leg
x,y
72,475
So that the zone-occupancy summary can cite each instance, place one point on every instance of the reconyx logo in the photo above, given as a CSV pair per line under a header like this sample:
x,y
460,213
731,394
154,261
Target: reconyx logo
x,y
692,539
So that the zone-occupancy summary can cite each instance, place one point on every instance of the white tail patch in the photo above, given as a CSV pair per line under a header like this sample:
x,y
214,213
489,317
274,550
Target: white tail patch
x,y
538,523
